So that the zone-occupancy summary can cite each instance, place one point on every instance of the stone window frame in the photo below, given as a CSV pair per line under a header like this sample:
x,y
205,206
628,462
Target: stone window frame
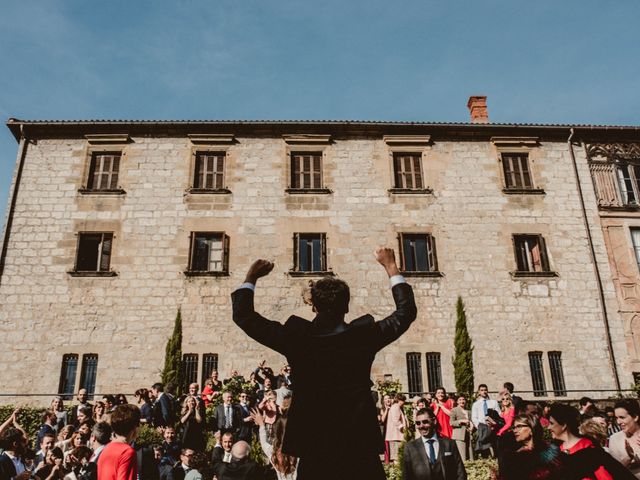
x,y
307,143
296,272
104,144
416,144
97,273
605,161
226,241
518,146
210,143
435,273
79,380
547,271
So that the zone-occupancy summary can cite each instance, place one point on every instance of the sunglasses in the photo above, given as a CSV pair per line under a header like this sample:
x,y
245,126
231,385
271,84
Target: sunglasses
x,y
424,422
518,427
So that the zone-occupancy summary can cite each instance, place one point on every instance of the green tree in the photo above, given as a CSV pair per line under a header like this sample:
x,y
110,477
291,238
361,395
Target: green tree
x,y
172,372
463,359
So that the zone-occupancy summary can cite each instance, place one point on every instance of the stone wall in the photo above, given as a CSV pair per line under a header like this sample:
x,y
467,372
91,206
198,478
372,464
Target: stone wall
x,y
126,319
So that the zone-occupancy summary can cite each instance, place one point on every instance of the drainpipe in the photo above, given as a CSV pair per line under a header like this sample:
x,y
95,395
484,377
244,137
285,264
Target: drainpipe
x,y
22,154
605,315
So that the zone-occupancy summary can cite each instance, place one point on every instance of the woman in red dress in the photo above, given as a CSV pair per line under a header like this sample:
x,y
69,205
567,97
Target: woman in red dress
x,y
442,406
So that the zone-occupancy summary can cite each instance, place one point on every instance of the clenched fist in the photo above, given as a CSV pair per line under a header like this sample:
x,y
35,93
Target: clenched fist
x,y
386,257
260,268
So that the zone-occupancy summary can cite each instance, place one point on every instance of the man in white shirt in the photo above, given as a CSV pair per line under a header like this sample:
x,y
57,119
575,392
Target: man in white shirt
x,y
431,457
479,411
11,464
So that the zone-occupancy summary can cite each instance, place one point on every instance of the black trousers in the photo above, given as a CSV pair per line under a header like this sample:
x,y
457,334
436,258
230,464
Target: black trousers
x,y
342,465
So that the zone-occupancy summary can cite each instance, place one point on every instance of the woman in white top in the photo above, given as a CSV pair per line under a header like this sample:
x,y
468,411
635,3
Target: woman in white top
x,y
286,466
624,445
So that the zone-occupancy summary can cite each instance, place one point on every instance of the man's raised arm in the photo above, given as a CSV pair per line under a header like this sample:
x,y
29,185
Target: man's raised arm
x,y
267,332
392,327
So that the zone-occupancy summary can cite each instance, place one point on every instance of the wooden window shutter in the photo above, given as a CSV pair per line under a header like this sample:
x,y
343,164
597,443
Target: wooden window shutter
x,y
225,253
323,259
417,171
105,254
295,171
397,169
544,259
431,253
115,169
317,171
219,171
296,252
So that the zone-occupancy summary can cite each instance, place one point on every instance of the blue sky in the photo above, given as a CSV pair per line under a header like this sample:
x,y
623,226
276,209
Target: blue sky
x,y
546,62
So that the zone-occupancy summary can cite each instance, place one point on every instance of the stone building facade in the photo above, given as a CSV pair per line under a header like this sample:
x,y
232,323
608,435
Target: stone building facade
x,y
114,226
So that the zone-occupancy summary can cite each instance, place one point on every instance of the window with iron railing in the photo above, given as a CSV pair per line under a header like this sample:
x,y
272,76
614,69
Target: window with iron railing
x,y
434,370
537,374
414,373
557,374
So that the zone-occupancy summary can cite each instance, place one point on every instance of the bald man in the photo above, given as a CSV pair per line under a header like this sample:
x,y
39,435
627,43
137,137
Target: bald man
x,y
241,466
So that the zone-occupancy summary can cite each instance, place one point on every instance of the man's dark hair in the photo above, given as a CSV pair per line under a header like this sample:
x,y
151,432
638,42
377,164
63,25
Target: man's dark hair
x,y
508,386
483,385
330,295
57,452
102,432
585,400
170,388
48,415
109,398
158,386
9,437
609,409
124,419
48,434
566,415
428,412
86,411
524,405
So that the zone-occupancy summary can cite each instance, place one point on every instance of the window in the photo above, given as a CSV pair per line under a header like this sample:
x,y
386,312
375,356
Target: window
x,y
629,183
306,170
103,171
94,252
516,171
209,171
537,374
418,252
310,253
209,363
68,375
407,170
209,253
434,371
89,372
531,254
414,373
557,375
635,239
189,369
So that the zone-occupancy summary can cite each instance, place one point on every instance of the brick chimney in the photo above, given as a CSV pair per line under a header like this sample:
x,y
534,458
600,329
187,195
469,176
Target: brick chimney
x,y
478,108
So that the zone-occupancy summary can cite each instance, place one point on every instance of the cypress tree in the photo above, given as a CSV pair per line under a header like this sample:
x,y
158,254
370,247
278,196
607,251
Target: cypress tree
x,y
463,359
172,372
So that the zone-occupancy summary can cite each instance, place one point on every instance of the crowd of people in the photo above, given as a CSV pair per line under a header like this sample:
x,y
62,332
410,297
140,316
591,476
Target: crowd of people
x,y
97,441
584,443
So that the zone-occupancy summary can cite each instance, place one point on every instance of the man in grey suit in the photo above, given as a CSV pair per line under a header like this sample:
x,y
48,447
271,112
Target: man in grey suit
x,y
431,457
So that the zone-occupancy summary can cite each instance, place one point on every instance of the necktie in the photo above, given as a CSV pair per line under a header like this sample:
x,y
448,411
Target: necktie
x,y
485,408
432,451
227,415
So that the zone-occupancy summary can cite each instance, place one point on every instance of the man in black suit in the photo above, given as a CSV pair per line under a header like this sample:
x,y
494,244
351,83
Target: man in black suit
x,y
330,358
11,459
222,452
82,402
227,417
241,466
163,408
431,457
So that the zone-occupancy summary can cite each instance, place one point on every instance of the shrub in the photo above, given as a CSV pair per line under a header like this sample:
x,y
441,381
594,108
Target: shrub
x,y
148,436
28,418
388,387
481,469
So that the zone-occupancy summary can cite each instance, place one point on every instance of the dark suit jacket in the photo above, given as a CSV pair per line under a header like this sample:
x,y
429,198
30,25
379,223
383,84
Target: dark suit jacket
x,y
243,470
329,366
418,467
7,469
164,412
220,421
147,464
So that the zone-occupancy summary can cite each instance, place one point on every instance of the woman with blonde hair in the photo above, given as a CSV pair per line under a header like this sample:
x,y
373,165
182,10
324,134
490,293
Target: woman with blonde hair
x,y
99,412
286,466
193,423
507,412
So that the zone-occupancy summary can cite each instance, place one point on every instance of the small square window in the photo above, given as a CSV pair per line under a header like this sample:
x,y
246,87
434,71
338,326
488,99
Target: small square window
x,y
418,252
209,253
103,171
209,171
306,170
407,171
517,174
310,252
94,252
531,254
